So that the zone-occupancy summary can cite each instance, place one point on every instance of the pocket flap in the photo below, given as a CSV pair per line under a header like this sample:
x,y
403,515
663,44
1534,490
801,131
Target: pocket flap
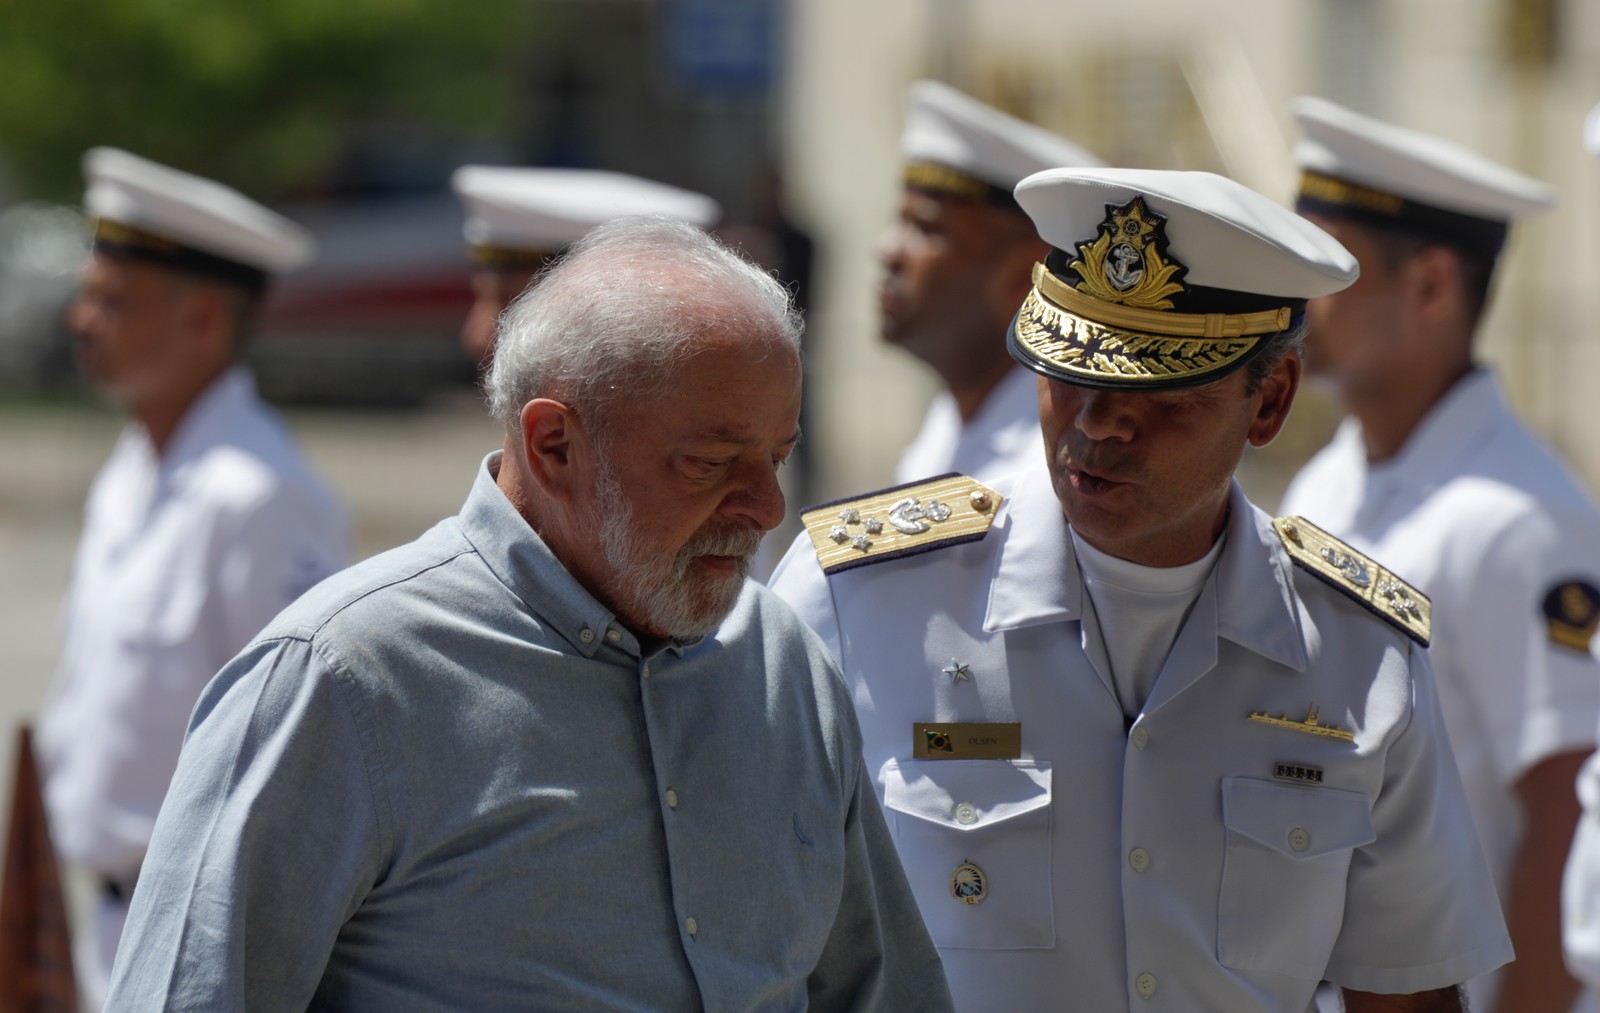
x,y
1299,821
966,794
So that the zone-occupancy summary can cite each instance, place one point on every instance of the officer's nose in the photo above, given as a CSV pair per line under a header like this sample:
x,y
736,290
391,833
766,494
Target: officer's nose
x,y
1105,414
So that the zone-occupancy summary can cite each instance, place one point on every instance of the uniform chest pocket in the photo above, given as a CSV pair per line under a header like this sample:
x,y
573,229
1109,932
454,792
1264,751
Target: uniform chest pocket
x,y
1284,873
974,837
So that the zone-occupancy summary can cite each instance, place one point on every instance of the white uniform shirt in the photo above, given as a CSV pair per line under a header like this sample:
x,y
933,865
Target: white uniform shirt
x,y
1002,438
1481,516
1162,866
183,559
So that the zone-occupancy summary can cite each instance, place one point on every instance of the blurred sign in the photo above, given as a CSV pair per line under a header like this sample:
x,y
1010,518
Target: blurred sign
x,y
723,45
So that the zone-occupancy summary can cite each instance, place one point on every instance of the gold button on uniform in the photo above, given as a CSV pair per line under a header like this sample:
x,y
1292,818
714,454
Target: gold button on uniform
x,y
691,926
1299,840
1139,737
1139,859
1145,984
672,798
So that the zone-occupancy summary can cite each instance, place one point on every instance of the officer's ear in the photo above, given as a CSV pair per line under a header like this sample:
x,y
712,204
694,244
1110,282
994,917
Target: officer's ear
x,y
1274,399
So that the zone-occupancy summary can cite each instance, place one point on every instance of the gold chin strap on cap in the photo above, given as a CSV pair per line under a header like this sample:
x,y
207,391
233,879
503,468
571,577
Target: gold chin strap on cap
x,y
1157,322
508,257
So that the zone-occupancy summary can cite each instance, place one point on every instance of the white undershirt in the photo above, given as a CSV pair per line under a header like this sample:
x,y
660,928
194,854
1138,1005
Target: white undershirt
x,y
1137,612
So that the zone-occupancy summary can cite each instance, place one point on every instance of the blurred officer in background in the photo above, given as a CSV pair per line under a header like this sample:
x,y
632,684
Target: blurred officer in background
x,y
1434,474
558,753
955,268
1141,746
204,523
518,219
1580,900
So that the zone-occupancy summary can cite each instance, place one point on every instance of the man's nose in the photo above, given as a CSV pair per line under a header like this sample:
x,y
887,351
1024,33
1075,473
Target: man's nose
x,y
1105,415
759,500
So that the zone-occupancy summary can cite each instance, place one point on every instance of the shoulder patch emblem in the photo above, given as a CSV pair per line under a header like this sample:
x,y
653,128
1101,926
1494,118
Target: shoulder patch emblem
x,y
900,521
1358,576
1572,613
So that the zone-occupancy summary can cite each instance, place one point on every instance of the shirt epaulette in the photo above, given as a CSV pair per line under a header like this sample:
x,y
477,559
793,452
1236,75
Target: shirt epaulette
x,y
900,521
1358,576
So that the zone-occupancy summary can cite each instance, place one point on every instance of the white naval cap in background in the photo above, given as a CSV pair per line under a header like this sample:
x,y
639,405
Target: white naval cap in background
x,y
514,212
143,208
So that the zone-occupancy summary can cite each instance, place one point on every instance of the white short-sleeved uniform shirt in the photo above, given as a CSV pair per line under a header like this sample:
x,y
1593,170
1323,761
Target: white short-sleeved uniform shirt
x,y
1001,439
1162,864
1483,517
183,558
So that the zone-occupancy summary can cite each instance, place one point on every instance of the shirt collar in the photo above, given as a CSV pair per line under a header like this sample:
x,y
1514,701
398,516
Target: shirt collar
x,y
520,559
1452,427
1036,577
208,416
1256,604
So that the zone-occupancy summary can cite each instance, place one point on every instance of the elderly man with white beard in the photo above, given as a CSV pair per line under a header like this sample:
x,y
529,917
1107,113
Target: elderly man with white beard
x,y
558,753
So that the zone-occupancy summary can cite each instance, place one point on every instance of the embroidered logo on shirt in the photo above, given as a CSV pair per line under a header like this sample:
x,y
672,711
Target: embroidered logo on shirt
x,y
1571,613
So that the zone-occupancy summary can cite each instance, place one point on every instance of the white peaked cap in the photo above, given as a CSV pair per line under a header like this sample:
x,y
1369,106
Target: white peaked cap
x,y
1227,235
949,128
545,209
1163,279
191,211
1411,165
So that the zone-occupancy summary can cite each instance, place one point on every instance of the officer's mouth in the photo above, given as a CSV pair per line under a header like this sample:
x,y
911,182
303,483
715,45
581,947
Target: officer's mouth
x,y
1090,483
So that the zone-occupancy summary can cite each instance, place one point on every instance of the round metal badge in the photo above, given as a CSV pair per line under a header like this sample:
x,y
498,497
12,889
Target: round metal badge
x,y
968,884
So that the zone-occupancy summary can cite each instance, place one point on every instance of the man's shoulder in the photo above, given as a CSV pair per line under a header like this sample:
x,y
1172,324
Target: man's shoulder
x,y
1331,565
378,588
899,522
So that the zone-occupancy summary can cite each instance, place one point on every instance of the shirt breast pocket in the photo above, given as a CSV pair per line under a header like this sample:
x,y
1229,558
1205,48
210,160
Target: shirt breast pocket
x,y
1284,873
974,837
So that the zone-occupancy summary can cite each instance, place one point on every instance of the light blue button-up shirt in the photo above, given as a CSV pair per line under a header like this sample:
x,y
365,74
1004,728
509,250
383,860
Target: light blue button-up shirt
x,y
448,778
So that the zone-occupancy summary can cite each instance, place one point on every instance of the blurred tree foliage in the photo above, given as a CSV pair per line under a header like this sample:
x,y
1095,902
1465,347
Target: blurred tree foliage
x,y
258,93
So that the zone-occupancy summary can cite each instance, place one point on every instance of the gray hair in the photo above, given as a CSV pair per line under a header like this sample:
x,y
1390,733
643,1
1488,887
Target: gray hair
x,y
1278,346
622,309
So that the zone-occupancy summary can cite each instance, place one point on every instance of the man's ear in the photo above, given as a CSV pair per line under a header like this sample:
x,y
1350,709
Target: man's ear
x,y
1276,398
1434,282
553,441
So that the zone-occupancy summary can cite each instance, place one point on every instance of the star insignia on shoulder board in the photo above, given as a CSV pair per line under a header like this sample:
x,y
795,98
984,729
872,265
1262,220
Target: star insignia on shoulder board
x,y
1358,576
900,521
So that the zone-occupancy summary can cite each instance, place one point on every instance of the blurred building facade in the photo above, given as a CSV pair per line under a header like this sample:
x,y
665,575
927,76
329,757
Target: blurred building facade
x,y
1175,84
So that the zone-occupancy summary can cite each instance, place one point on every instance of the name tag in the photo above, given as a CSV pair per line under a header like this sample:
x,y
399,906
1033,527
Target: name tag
x,y
966,741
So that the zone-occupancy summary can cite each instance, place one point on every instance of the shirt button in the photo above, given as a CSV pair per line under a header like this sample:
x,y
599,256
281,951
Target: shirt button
x,y
1139,859
1146,984
672,798
1140,738
613,635
587,636
691,926
1299,840
966,814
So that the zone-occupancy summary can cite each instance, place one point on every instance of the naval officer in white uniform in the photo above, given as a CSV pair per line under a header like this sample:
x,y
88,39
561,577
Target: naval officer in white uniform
x,y
1141,746
1434,474
955,266
204,523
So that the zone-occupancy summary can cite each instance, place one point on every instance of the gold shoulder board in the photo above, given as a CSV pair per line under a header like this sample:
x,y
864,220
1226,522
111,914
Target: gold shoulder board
x,y
1358,576
900,521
